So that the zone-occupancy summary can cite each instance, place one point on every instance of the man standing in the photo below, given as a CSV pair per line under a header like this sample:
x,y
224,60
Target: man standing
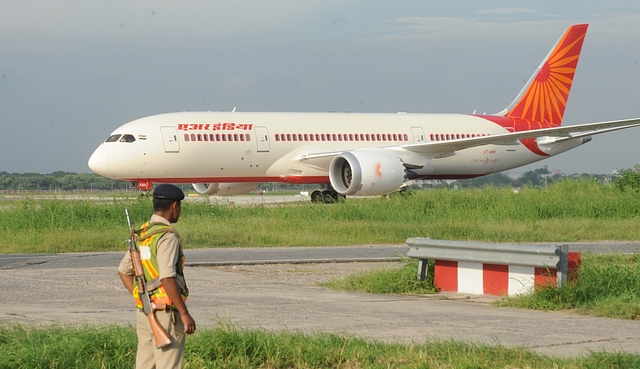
x,y
163,263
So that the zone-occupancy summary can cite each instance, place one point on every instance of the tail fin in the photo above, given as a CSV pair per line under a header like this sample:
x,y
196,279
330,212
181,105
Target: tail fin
x,y
544,97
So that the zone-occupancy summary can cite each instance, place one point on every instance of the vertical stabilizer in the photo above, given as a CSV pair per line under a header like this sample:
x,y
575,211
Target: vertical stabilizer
x,y
544,97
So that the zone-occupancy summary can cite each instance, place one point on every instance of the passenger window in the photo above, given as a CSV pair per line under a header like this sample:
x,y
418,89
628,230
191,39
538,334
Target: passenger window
x,y
186,137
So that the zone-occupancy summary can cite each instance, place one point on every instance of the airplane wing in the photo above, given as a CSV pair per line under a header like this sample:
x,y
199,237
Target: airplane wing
x,y
557,134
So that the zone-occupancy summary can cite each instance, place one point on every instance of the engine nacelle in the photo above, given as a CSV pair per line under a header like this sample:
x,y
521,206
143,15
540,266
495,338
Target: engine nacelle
x,y
225,189
366,172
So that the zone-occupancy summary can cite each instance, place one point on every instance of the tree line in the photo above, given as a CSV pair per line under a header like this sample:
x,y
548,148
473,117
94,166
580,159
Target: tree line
x,y
69,181
59,181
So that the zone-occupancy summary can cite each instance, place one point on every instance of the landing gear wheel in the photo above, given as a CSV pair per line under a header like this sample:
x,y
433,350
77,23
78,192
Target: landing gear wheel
x,y
331,196
317,197
328,196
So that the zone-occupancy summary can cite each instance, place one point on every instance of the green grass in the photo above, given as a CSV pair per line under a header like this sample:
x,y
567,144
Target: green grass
x,y
227,346
387,281
608,285
568,211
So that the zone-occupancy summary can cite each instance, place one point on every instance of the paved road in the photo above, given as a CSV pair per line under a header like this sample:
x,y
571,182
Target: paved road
x,y
73,288
222,256
267,255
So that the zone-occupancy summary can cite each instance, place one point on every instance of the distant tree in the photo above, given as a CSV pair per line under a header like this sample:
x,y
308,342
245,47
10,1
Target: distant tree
x,y
58,180
497,179
629,179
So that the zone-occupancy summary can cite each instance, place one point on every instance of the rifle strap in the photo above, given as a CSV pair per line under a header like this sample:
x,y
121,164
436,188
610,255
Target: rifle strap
x,y
153,284
164,229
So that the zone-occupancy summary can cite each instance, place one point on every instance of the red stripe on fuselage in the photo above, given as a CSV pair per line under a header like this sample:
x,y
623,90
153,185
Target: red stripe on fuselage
x,y
279,179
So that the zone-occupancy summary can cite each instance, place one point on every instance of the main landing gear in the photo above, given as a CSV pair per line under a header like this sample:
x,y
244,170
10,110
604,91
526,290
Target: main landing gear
x,y
327,196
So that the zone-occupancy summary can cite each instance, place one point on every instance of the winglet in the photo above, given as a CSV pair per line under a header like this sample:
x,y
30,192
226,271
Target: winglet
x,y
544,97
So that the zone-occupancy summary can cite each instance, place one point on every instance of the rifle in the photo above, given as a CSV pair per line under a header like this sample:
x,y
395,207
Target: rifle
x,y
149,308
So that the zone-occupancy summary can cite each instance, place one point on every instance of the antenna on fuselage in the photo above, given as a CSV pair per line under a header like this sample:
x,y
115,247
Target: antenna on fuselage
x,y
234,110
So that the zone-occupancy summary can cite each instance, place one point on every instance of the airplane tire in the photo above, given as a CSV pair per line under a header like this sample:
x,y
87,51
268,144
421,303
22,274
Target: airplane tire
x,y
332,196
317,197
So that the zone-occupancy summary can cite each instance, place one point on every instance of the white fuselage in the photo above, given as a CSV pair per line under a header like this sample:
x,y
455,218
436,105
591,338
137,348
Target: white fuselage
x,y
212,147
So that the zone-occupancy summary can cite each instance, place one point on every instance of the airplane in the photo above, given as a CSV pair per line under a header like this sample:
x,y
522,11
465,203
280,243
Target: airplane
x,y
352,154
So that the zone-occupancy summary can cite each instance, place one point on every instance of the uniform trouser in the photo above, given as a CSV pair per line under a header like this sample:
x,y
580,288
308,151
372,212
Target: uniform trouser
x,y
170,356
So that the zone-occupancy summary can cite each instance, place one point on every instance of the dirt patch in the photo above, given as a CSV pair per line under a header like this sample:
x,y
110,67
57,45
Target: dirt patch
x,y
307,274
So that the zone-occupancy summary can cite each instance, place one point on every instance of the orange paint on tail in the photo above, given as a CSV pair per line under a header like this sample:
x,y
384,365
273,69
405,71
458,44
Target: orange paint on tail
x,y
544,98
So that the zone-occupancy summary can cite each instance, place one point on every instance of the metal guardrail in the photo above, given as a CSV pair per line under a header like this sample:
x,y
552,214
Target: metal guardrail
x,y
542,256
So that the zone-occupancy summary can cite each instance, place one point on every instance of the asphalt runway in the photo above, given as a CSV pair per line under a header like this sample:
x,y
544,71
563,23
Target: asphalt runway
x,y
84,288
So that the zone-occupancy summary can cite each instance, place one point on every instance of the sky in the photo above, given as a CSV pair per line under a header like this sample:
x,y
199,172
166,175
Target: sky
x,y
72,71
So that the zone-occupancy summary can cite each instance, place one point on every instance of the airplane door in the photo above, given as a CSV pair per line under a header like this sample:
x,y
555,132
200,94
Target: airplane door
x,y
262,136
418,134
170,139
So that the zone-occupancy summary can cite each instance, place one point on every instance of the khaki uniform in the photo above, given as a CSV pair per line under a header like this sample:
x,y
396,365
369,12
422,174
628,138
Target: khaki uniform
x,y
148,356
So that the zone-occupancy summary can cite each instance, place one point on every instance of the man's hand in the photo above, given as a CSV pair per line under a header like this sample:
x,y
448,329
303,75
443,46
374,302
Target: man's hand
x,y
189,323
173,292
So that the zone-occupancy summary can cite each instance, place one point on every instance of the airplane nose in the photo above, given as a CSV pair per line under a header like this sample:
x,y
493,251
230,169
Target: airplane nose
x,y
99,161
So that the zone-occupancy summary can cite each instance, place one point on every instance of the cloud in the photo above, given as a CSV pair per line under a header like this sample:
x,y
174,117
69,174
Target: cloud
x,y
150,20
506,11
609,28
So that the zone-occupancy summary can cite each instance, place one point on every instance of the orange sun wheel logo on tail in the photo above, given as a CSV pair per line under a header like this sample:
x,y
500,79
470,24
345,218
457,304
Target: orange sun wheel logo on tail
x,y
377,170
544,98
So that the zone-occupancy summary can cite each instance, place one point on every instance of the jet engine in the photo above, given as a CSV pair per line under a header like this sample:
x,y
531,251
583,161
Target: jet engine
x,y
366,172
225,189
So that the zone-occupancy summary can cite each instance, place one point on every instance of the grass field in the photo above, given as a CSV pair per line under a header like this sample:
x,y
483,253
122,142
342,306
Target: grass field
x,y
228,346
565,212
608,286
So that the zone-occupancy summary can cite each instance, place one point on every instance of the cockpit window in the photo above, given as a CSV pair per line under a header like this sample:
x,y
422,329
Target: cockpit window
x,y
113,138
127,138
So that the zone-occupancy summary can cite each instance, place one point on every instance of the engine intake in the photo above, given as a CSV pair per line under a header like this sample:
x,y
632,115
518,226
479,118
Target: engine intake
x,y
366,172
